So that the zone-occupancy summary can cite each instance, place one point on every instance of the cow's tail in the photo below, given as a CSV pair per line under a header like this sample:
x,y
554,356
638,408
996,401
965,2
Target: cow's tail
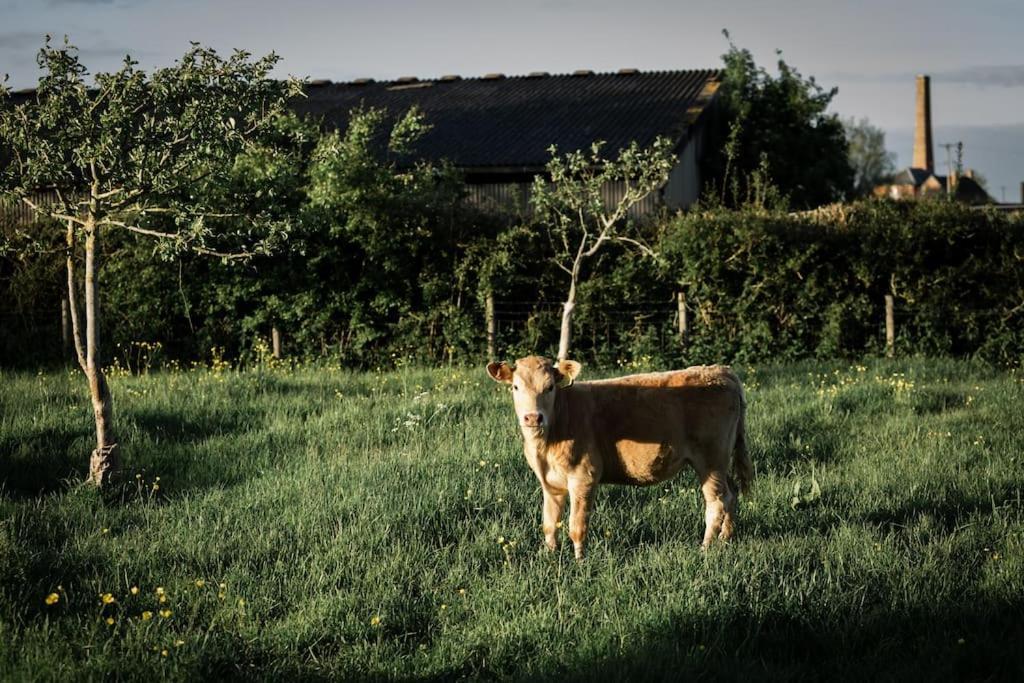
x,y
742,468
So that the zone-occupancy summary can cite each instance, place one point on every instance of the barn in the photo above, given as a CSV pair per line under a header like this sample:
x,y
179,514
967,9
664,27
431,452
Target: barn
x,y
498,129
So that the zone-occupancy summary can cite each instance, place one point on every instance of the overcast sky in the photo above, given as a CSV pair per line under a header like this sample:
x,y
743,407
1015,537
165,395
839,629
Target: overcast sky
x,y
870,49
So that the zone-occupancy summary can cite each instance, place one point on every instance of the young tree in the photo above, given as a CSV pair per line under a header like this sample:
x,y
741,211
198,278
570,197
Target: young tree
x,y
570,203
872,164
151,154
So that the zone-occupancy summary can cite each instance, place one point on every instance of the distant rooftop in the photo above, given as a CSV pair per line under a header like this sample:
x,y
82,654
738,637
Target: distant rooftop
x,y
498,121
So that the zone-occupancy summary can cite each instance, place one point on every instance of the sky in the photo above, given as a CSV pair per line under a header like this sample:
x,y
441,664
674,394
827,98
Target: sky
x,y
870,50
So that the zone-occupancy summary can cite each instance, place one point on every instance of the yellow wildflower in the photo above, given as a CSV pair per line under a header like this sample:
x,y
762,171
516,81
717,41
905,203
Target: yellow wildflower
x,y
375,620
179,643
146,616
166,613
107,598
163,653
52,599
200,583
159,590
134,590
110,621
163,598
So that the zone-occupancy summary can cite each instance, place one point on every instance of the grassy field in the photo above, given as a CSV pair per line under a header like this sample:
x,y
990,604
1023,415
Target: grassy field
x,y
319,524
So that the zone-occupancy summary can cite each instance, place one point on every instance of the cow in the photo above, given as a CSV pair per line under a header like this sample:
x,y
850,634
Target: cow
x,y
637,430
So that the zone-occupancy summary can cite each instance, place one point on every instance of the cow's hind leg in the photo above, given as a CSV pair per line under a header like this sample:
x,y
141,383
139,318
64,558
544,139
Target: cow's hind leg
x,y
719,504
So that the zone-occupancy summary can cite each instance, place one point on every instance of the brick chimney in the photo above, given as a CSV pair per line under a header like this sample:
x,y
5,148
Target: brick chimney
x,y
923,157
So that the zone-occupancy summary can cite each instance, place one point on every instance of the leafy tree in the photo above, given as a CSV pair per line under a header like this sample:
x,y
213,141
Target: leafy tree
x,y
872,164
387,232
783,122
155,155
571,205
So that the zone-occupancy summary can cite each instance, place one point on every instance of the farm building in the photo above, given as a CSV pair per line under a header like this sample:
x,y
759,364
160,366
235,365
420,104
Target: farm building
x,y
498,130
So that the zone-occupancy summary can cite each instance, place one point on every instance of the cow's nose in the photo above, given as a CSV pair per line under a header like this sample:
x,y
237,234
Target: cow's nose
x,y
533,419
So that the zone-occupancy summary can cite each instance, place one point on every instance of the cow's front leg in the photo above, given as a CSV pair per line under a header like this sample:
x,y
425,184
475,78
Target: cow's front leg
x,y
581,495
554,502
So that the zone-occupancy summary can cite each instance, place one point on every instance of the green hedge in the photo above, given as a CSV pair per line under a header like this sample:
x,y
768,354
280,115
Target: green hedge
x,y
760,286
771,285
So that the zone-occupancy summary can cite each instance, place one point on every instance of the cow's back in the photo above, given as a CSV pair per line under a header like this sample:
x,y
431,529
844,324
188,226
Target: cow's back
x,y
646,425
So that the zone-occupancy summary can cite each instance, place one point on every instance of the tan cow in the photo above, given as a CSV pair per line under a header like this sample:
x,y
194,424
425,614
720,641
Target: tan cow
x,y
637,430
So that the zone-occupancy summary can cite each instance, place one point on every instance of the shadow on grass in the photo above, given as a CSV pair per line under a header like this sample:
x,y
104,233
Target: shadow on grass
x,y
42,462
975,642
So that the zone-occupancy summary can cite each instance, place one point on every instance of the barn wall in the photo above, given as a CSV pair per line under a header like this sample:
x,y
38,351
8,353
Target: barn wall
x,y
683,186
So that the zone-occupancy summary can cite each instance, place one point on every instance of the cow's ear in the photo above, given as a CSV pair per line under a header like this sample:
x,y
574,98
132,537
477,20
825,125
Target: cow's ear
x,y
500,372
568,370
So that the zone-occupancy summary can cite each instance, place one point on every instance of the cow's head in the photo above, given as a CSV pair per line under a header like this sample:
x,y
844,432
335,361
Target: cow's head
x,y
535,381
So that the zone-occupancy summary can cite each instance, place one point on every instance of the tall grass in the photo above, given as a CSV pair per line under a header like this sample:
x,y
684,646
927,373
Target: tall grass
x,y
316,523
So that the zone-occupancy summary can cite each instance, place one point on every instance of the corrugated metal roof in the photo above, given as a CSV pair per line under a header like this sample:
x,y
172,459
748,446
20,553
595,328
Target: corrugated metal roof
x,y
511,121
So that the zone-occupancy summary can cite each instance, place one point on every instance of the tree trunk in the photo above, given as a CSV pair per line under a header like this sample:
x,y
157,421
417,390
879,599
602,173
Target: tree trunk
x,y
104,461
567,309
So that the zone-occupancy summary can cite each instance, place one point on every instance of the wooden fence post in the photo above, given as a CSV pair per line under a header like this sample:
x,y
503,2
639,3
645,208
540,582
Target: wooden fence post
x,y
275,338
65,327
683,321
890,326
492,328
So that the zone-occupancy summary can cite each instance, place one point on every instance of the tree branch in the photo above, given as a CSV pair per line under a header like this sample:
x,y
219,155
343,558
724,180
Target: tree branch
x,y
52,214
199,249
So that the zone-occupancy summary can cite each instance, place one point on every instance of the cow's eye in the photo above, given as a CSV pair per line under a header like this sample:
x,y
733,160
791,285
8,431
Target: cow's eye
x,y
549,388
515,387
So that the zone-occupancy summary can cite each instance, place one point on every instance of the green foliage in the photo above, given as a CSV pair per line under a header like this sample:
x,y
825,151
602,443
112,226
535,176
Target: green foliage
x,y
775,285
354,520
152,153
782,121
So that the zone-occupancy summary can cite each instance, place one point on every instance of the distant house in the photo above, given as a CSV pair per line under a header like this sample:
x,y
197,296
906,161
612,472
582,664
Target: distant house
x,y
920,181
497,130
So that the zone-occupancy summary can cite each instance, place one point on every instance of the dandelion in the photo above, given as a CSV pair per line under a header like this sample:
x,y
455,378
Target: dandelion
x,y
166,613
179,643
134,590
110,621
105,530
462,591
200,583
163,598
375,621
444,606
52,599
159,590
146,616
163,653
107,598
